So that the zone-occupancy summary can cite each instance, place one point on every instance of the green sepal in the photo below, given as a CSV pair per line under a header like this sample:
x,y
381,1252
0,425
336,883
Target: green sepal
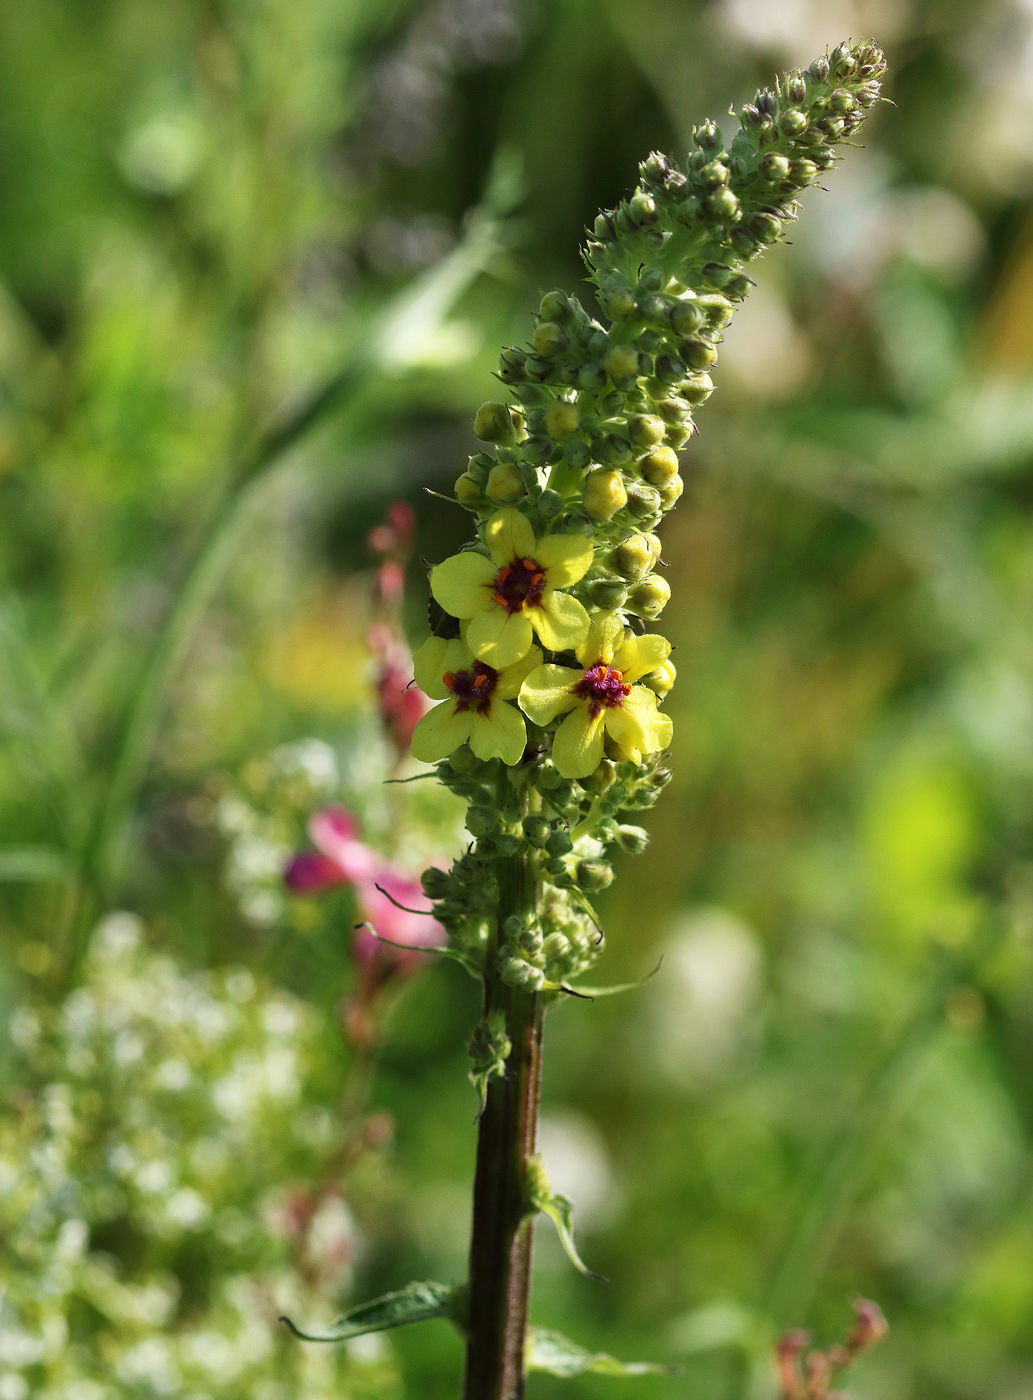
x,y
416,1302
560,1210
593,992
559,1356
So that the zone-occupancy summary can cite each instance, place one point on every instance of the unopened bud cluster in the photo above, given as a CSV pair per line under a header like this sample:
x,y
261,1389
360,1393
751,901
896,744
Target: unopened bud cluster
x,y
551,727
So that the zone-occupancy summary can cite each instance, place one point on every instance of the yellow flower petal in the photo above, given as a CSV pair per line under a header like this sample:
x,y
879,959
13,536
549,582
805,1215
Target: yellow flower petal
x,y
463,584
560,620
548,692
501,733
577,749
638,656
500,638
637,727
508,535
436,656
604,637
507,687
440,732
565,558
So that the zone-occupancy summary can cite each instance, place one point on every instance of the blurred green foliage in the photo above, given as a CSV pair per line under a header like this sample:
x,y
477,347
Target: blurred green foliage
x,y
208,211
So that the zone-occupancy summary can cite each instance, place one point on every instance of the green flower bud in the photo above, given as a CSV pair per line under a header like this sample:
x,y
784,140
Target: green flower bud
x,y
723,205
669,369
716,275
577,452
562,419
792,123
632,839
654,310
706,136
670,491
714,175
717,309
617,299
642,209
650,597
557,868
678,434
661,680
531,944
697,353
818,72
549,339
494,423
505,845
559,842
505,484
643,501
550,503
688,211
633,557
537,449
645,430
615,450
673,409
467,492
605,494
464,760
697,388
621,362
556,947
593,875
609,594
738,285
774,168
482,821
658,466
512,365
555,306
602,778
515,972
437,884
686,317
591,376
536,829
547,779
794,88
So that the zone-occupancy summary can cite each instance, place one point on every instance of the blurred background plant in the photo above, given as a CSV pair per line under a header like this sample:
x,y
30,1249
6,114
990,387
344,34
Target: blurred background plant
x,y
257,261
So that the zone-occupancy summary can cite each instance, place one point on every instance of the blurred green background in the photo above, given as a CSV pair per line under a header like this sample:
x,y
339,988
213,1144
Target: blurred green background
x,y
257,259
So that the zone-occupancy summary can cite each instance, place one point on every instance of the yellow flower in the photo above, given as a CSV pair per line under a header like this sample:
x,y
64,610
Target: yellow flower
x,y
475,709
510,596
601,700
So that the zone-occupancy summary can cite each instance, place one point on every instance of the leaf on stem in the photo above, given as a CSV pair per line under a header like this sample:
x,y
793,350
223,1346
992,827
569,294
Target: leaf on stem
x,y
559,1356
416,1302
560,1210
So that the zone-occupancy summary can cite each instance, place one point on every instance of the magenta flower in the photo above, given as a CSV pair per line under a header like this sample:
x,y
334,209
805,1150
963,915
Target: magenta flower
x,y
380,888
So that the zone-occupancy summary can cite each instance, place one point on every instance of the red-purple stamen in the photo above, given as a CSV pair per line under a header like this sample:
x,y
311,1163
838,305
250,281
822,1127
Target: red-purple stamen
x,y
603,687
472,689
518,585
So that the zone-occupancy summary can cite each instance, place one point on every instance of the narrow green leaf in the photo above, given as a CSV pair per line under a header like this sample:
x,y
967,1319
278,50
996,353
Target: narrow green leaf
x,y
31,863
559,1356
593,992
560,1210
416,1302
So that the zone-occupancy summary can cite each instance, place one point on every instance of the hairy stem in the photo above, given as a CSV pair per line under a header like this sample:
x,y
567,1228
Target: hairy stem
x,y
501,1238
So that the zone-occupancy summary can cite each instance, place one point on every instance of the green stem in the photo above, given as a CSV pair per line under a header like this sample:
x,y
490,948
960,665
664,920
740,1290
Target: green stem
x,y
501,1238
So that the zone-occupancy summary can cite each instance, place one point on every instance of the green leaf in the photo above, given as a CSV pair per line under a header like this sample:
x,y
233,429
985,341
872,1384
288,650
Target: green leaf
x,y
33,863
593,992
416,1302
560,1210
551,1351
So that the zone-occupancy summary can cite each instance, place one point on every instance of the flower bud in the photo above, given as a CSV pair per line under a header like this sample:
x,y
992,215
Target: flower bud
x,y
661,680
794,88
515,972
678,434
555,306
505,845
792,123
723,205
505,484
494,423
617,298
686,317
547,778
549,339
642,209
562,419
659,466
774,168
632,839
591,376
436,884
643,501
559,842
645,430
670,491
669,369
717,309
621,362
609,594
577,452
697,353
716,275
482,820
615,450
467,492
706,136
633,557
650,597
536,829
605,494
818,72
601,778
593,875
550,503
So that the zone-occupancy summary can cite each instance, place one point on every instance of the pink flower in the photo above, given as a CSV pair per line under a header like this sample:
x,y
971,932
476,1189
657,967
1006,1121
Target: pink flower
x,y
380,888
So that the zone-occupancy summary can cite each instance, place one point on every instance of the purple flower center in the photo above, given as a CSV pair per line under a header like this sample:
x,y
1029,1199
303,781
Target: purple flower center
x,y
518,585
603,687
472,689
